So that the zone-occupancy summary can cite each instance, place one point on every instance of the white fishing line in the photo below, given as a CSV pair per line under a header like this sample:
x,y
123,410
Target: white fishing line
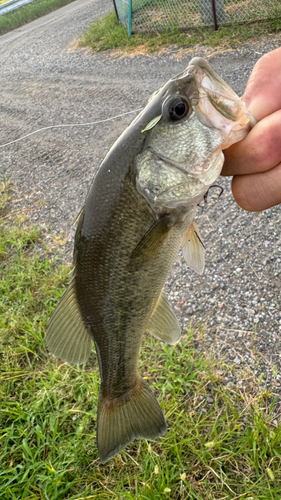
x,y
69,125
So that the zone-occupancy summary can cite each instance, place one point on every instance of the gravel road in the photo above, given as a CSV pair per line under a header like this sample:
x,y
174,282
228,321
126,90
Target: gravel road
x,y
45,80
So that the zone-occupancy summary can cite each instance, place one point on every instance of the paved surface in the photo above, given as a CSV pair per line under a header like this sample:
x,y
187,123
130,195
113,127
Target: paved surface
x,y
44,81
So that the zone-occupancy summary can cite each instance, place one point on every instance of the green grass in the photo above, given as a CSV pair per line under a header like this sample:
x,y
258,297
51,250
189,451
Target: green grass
x,y
227,448
107,33
28,13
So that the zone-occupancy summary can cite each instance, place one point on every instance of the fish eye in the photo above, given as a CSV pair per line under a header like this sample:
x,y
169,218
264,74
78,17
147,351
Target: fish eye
x,y
178,108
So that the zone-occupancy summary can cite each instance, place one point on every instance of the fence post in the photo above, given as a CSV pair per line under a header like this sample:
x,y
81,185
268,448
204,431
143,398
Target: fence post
x,y
214,14
116,12
130,19
212,11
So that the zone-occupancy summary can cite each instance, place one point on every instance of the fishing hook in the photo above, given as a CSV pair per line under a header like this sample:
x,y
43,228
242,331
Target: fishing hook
x,y
205,198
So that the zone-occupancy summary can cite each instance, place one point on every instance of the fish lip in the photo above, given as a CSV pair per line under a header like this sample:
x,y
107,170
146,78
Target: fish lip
x,y
199,62
223,100
219,93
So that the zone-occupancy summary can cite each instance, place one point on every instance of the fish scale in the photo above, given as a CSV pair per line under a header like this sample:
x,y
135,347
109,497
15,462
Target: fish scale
x,y
126,297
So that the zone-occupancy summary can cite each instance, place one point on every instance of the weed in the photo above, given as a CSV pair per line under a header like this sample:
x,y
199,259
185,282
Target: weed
x,y
107,33
29,12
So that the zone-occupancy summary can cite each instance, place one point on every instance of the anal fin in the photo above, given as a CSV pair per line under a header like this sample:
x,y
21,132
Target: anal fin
x,y
67,337
163,323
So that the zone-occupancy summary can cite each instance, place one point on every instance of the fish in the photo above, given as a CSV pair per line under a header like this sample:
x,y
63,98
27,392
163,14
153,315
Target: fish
x,y
138,213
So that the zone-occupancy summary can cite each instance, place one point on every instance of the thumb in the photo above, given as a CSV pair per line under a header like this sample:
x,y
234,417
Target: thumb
x,y
262,95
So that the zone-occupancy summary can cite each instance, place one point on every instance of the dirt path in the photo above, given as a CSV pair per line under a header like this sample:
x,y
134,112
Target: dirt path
x,y
44,81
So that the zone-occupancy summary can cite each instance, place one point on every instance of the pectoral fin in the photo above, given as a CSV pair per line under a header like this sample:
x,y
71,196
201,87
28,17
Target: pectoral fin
x,y
163,323
67,337
193,249
150,244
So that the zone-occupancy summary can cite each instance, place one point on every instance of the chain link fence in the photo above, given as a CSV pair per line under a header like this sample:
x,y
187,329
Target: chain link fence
x,y
158,15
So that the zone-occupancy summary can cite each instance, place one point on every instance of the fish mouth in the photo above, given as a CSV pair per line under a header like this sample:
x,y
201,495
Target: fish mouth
x,y
219,106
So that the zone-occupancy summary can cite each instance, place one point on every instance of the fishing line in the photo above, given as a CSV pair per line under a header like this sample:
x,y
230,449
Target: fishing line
x,y
75,125
69,125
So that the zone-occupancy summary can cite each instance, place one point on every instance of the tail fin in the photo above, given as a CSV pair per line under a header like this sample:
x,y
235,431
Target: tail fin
x,y
137,415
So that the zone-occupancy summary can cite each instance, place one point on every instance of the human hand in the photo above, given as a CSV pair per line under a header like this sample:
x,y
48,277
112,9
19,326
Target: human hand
x,y
255,162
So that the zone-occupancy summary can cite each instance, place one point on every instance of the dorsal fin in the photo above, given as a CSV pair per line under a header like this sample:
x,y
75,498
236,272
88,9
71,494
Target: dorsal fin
x,y
67,337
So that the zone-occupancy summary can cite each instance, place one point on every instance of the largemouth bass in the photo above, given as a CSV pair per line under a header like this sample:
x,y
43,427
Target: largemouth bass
x,y
138,212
